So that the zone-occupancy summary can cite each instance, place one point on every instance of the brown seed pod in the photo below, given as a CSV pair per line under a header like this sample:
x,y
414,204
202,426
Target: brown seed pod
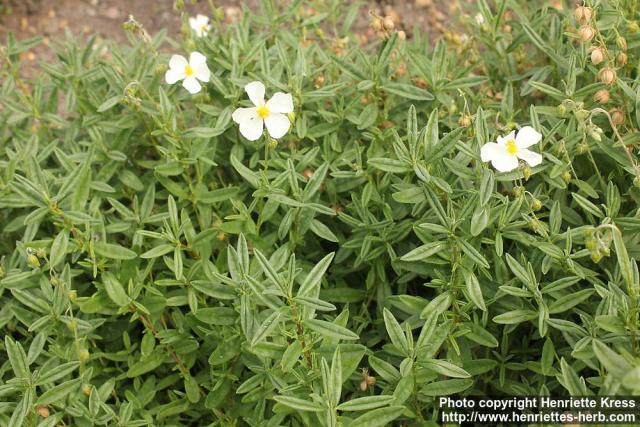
x,y
622,59
363,386
617,116
586,33
43,411
602,96
607,75
388,24
307,173
582,14
597,55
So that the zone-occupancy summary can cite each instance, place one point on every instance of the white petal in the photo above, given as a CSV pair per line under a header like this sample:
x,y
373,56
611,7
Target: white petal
x,y
489,150
178,62
255,90
277,125
505,162
243,114
501,140
280,103
531,157
193,23
202,19
527,136
196,59
201,72
252,128
173,75
191,84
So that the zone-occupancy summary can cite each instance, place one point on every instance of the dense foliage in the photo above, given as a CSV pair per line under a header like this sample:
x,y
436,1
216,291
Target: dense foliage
x,y
157,268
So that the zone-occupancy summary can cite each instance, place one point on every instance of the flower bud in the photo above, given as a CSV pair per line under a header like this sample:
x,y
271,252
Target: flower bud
x,y
582,14
621,42
465,121
596,257
597,55
536,205
292,119
86,389
590,244
376,24
586,33
622,59
607,75
583,148
562,109
402,35
527,172
633,26
43,411
41,253
602,96
582,114
72,325
72,295
222,237
617,116
318,82
566,177
84,355
518,191
636,181
33,261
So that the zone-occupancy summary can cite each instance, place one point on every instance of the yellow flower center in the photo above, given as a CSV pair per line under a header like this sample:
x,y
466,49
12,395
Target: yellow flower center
x,y
188,70
262,111
203,27
511,146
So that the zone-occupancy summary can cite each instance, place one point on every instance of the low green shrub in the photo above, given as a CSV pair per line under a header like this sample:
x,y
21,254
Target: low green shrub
x,y
159,268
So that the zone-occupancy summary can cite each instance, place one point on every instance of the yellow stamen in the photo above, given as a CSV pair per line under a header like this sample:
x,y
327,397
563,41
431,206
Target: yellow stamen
x,y
511,146
188,70
263,112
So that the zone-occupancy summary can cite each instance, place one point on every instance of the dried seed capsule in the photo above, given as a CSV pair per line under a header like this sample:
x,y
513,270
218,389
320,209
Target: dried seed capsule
x,y
617,116
602,96
363,386
43,411
586,33
597,55
582,14
607,75
622,59
388,24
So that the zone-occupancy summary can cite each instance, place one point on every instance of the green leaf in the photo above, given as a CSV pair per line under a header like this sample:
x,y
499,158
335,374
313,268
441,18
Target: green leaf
x,y
59,392
299,404
265,329
395,333
378,417
423,252
115,290
112,251
407,91
446,368
474,290
330,330
311,283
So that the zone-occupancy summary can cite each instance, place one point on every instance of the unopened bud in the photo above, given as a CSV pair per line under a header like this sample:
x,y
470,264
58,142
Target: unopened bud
x,y
586,33
633,26
292,119
518,191
527,172
222,237
597,55
86,389
582,14
33,261
72,295
621,42
596,256
583,148
636,181
617,116
607,75
566,177
465,120
562,109
602,96
84,355
536,205
72,325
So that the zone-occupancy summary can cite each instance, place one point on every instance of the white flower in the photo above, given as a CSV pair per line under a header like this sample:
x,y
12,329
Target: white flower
x,y
200,25
479,18
272,114
504,154
192,71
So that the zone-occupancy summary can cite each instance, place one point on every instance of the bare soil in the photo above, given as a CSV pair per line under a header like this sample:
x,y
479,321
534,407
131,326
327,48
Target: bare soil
x,y
51,18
